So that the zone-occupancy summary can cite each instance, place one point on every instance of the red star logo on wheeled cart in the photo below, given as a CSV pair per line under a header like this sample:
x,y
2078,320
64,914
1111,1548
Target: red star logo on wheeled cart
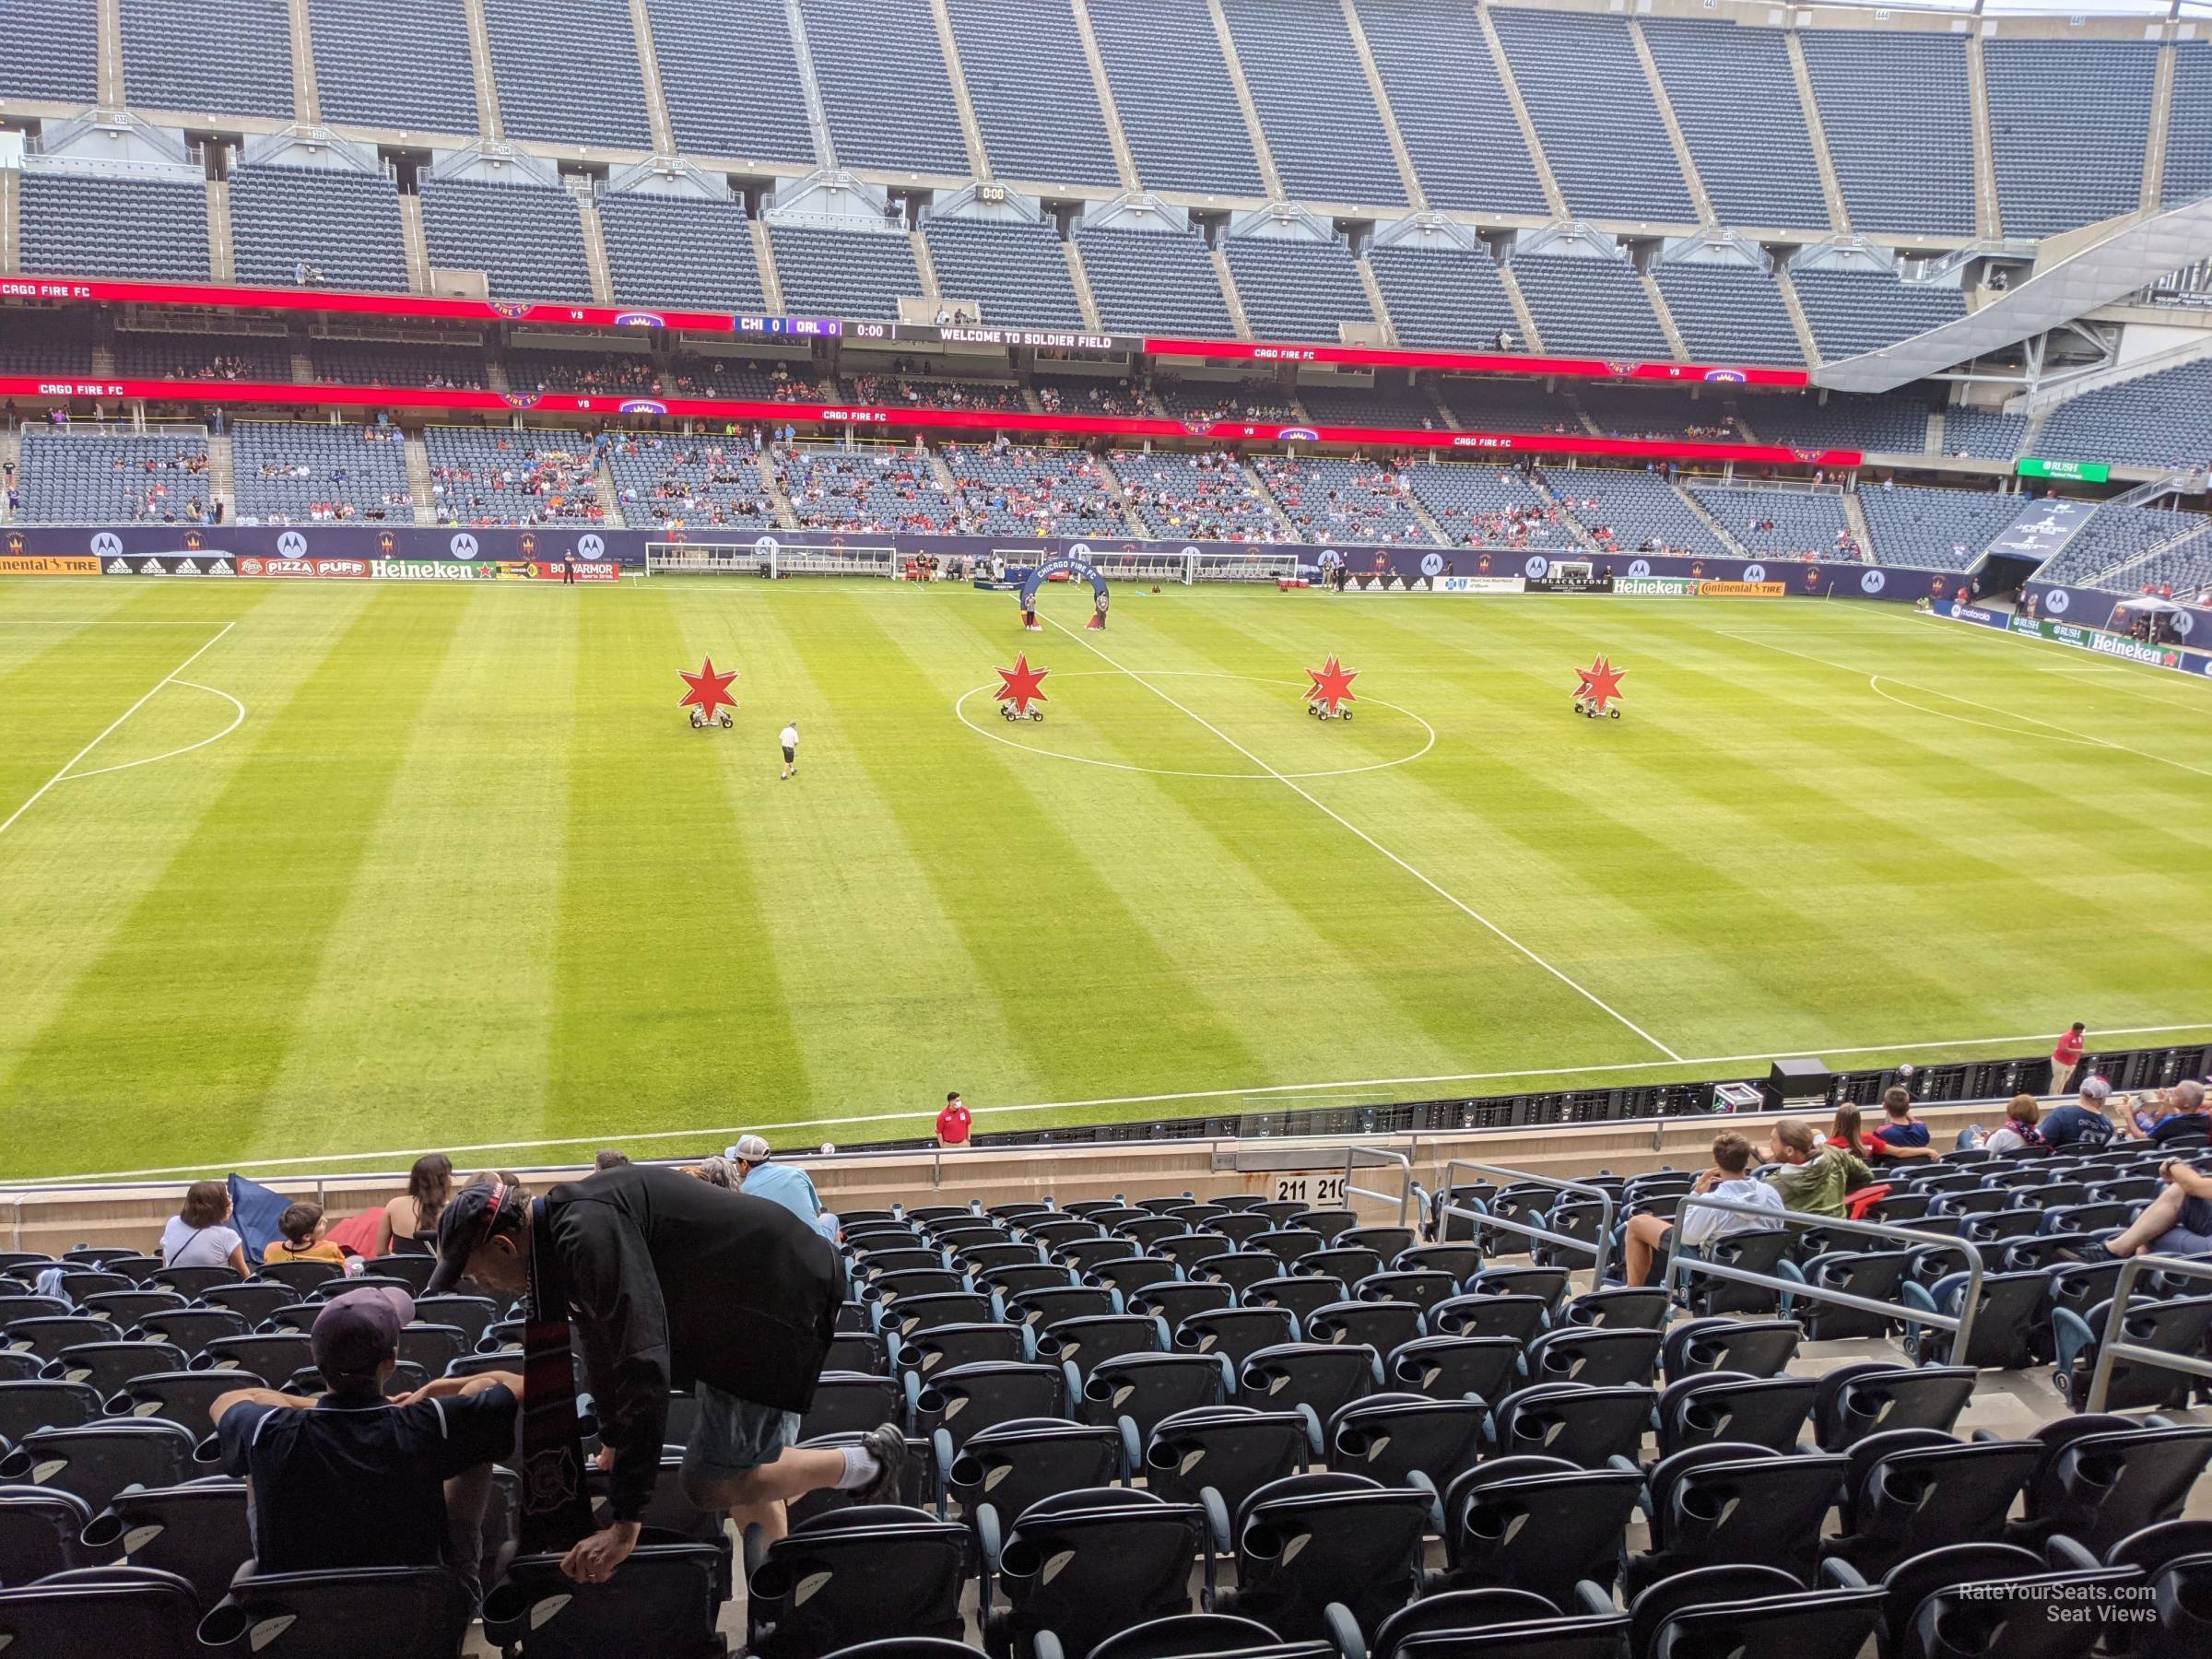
x,y
1600,684
709,691
1332,685
1019,685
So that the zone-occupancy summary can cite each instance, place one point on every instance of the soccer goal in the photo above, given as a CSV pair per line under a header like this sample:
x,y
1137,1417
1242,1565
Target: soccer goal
x,y
1138,567
767,556
1242,567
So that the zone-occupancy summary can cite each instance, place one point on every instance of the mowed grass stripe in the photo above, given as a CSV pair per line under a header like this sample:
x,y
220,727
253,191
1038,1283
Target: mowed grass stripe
x,y
186,1017
1394,969
1432,813
670,1009
471,911
886,992
1049,877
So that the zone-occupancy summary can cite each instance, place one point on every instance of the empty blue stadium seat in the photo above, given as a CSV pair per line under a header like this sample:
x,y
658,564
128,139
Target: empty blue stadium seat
x,y
52,50
1915,175
1729,313
79,224
1313,100
1735,98
345,225
1031,90
2158,419
568,71
707,47
845,273
1297,291
300,472
2068,122
1571,66
361,80
1443,89
1851,311
233,57
2189,125
672,250
1016,271
1934,529
1444,296
1591,305
527,239
1153,279
1171,85
109,478
884,87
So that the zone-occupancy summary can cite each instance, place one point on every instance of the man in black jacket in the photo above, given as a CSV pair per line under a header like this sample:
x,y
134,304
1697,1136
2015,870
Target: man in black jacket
x,y
665,1281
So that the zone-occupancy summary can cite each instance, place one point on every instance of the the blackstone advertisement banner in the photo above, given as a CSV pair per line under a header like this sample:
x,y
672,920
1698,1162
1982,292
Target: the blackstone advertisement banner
x,y
1571,582
2180,659
352,552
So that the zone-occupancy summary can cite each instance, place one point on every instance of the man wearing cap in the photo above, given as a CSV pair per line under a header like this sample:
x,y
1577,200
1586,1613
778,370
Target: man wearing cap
x,y
782,1184
665,1281
353,1479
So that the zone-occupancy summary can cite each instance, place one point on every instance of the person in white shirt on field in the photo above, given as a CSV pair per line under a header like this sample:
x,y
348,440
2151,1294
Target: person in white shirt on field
x,y
790,740
1729,1178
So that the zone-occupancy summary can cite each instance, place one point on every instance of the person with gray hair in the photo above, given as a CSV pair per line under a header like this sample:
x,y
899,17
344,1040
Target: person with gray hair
x,y
2081,1122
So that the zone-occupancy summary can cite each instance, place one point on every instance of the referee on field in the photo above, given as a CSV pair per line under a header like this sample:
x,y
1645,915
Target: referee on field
x,y
789,739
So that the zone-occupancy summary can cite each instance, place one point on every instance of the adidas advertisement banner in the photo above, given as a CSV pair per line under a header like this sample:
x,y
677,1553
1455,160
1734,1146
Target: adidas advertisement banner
x,y
170,564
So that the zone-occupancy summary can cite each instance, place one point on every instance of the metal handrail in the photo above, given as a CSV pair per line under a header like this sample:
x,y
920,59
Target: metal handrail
x,y
1384,1157
1961,1325
1599,1253
2113,1347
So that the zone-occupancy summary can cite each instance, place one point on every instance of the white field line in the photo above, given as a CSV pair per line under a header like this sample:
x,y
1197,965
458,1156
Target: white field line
x,y
1310,799
2067,733
7,823
237,720
919,1116
2116,673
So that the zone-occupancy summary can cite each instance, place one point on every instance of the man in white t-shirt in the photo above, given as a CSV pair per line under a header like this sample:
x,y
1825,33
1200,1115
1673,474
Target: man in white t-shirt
x,y
790,740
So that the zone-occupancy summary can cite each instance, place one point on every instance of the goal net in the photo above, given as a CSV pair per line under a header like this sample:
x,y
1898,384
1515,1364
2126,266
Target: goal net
x,y
767,556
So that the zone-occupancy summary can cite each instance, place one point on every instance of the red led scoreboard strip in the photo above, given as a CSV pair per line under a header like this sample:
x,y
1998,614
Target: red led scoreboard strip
x,y
556,316
612,409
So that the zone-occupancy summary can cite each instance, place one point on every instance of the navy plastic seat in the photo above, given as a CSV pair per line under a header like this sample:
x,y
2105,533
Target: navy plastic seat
x,y
1455,1368
1872,1397
34,1402
1084,1565
2103,1478
1313,1376
106,1367
1392,1438
100,1612
353,1614
1519,1317
41,1531
1007,1466
1144,1389
1310,1543
849,1402
1537,1523
1732,1503
1727,1406
1599,1356
1217,1456
1381,1325
197,1530
1916,1490
97,1460
1235,1334
1302,1295
1587,1426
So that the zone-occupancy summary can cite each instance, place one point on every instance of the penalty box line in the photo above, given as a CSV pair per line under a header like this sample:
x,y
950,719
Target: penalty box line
x,y
1312,800
113,725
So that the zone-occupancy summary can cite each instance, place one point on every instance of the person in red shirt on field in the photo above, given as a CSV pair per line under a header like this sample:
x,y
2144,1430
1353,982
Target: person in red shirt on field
x,y
952,1123
2066,1060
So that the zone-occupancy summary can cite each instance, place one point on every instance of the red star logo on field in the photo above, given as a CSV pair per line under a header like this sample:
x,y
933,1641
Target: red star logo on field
x,y
1601,681
709,691
1019,685
1332,684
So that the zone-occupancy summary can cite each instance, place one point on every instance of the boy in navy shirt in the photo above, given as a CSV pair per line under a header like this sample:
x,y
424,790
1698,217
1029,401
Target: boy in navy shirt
x,y
1901,1137
353,1479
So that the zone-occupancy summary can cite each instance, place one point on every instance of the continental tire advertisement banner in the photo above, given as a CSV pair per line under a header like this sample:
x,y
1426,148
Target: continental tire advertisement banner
x,y
1742,590
48,564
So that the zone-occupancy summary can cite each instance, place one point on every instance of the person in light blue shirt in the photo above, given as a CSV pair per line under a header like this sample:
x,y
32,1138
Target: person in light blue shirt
x,y
787,1185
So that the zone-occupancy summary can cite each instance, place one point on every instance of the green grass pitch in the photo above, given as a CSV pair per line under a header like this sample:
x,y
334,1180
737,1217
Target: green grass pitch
x,y
371,868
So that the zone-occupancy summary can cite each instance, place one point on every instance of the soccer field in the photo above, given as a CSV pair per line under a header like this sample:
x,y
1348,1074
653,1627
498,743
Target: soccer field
x,y
304,872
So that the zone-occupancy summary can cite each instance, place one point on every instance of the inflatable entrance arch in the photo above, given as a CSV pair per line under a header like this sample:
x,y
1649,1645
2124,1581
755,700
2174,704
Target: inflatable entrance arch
x,y
1074,569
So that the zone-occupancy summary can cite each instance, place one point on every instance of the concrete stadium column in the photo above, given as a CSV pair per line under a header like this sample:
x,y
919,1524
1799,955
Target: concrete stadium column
x,y
1831,184
307,94
1269,175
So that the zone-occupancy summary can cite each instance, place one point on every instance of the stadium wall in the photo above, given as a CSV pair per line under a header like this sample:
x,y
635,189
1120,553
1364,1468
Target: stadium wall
x,y
53,1219
352,552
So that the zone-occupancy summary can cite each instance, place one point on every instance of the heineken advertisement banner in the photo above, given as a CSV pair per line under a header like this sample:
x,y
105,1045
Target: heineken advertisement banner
x,y
2094,608
2083,472
2181,659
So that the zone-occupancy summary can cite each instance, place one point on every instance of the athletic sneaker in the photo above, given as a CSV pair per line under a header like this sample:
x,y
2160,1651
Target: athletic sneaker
x,y
889,1443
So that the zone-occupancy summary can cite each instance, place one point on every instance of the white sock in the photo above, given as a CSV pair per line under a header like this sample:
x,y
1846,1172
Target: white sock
x,y
861,1466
